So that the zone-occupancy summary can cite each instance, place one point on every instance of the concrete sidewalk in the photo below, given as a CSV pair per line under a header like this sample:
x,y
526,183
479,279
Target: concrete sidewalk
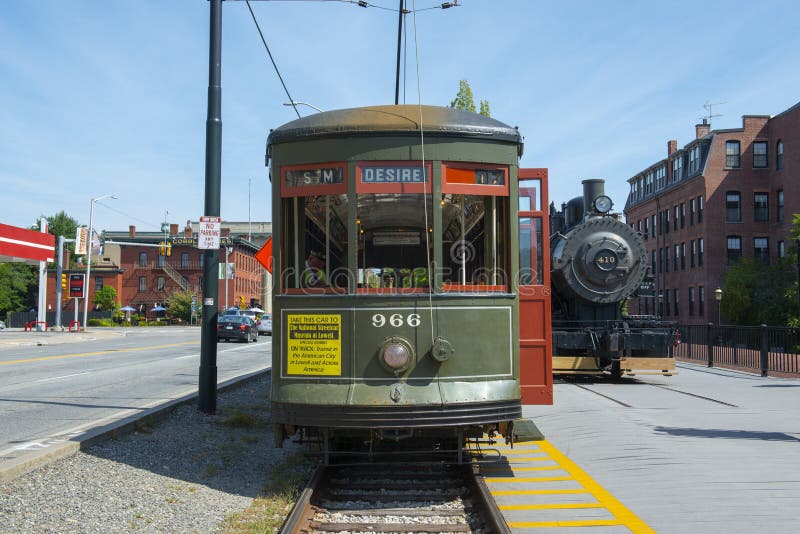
x,y
19,337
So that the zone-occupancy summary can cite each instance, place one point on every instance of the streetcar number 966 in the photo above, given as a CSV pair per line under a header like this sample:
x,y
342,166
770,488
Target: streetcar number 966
x,y
396,320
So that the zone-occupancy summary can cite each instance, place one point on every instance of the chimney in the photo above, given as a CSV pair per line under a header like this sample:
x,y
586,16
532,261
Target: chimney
x,y
702,130
672,147
187,231
173,229
225,232
132,231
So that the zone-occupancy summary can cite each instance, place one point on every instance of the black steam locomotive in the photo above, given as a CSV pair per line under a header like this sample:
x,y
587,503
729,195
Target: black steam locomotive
x,y
597,263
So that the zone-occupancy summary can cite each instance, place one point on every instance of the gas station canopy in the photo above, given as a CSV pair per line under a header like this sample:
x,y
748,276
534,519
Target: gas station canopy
x,y
27,246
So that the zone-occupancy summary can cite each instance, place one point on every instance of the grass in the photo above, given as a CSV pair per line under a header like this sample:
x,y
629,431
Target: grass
x,y
270,508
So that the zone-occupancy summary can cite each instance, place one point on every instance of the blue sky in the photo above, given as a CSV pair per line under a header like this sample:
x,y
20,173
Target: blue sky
x,y
110,97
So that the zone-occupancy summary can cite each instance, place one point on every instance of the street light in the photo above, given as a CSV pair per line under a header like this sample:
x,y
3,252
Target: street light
x,y
296,103
718,298
87,284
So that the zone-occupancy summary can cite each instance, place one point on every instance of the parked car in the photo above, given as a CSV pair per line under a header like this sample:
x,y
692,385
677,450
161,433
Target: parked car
x,y
237,311
239,327
3,325
264,324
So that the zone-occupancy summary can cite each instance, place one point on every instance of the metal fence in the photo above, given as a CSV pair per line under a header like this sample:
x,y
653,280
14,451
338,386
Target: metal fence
x,y
766,349
20,319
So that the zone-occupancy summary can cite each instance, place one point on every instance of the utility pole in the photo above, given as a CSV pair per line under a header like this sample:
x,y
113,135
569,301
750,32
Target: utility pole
x,y
399,45
207,386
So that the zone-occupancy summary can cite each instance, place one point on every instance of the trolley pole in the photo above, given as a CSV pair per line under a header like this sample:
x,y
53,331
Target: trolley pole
x,y
208,335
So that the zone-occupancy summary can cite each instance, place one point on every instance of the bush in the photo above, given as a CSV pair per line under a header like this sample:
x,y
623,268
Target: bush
x,y
100,322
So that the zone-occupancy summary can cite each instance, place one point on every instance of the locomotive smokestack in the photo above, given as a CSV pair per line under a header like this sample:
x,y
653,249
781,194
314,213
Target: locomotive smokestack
x,y
591,190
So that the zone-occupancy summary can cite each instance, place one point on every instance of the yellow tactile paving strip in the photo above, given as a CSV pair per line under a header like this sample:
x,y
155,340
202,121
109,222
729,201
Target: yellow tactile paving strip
x,y
555,493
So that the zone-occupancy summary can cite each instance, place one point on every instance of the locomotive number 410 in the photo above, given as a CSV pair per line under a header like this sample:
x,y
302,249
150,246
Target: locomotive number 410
x,y
396,320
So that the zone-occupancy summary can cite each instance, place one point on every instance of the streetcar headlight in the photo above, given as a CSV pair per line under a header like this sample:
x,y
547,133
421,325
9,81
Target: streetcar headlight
x,y
396,355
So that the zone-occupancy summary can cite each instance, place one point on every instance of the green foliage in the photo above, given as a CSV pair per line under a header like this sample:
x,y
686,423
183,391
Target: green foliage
x,y
464,99
485,109
756,293
106,299
179,305
101,322
62,224
18,287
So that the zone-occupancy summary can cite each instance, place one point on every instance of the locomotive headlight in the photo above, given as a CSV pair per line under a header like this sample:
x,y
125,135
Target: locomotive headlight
x,y
396,354
603,204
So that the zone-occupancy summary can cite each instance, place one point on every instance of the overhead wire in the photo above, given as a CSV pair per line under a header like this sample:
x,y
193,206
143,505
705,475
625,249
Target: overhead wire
x,y
278,72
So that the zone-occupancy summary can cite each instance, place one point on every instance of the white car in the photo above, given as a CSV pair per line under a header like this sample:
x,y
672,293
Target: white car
x,y
3,325
264,324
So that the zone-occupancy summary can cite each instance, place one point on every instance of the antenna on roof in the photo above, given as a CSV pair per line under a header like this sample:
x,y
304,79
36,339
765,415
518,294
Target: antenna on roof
x,y
710,115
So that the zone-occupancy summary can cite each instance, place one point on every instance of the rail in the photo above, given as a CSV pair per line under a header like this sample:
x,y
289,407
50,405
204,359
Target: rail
x,y
768,350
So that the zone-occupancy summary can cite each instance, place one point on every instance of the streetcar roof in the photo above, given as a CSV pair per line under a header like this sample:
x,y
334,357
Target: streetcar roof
x,y
395,120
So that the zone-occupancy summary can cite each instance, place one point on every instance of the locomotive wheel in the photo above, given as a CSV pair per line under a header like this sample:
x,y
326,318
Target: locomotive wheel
x,y
616,371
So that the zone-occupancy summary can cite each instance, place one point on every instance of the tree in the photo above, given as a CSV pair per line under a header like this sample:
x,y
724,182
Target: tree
x,y
756,293
62,224
179,305
465,101
106,299
17,287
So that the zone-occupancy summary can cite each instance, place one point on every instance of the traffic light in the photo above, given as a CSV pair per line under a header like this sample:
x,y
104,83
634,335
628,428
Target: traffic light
x,y
169,249
63,281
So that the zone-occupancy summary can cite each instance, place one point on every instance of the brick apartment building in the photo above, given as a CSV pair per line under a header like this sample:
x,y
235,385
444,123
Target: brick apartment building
x,y
726,194
133,264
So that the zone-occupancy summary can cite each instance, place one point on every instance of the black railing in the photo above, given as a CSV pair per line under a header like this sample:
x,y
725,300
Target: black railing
x,y
177,265
766,349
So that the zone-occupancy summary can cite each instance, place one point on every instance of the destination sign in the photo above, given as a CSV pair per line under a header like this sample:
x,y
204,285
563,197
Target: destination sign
x,y
393,175
490,177
310,177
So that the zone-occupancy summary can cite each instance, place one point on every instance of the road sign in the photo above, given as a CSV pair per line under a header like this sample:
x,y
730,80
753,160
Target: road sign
x,y
208,233
77,286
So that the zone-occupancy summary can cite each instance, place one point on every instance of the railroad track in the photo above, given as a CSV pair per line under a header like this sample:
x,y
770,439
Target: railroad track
x,y
395,498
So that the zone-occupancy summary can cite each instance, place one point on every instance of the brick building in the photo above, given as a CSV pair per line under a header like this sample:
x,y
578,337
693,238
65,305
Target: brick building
x,y
133,264
726,194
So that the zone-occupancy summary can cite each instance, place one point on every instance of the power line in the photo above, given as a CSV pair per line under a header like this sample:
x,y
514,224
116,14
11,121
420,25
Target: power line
x,y
272,59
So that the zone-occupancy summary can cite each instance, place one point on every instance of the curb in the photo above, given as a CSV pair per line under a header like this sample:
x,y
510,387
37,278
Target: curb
x,y
28,462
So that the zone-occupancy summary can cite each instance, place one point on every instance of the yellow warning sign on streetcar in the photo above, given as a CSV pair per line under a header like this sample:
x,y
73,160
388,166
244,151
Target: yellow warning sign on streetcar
x,y
314,344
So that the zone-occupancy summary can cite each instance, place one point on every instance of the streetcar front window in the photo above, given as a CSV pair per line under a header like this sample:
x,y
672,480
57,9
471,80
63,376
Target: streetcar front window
x,y
315,238
394,240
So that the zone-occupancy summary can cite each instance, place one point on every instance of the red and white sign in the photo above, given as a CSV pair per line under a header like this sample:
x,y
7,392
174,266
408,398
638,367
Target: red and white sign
x,y
208,233
264,256
29,246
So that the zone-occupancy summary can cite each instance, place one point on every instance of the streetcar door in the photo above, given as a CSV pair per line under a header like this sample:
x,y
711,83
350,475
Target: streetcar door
x,y
535,329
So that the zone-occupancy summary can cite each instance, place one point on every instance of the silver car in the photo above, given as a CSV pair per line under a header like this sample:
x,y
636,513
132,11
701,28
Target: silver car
x,y
264,324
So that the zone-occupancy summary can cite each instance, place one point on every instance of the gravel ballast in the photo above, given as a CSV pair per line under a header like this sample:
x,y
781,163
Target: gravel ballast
x,y
186,472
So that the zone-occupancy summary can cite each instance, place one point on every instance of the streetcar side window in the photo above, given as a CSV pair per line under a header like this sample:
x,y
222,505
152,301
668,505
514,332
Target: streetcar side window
x,y
473,242
315,243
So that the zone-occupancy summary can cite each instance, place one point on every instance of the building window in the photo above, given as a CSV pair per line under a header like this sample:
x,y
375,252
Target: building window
x,y
666,221
779,206
734,249
161,284
733,206
142,284
683,215
653,261
185,260
98,283
761,207
143,259
646,229
700,252
653,226
692,253
666,259
675,301
661,260
760,155
694,159
666,302
701,301
691,212
161,260
661,177
700,209
761,248
733,158
677,258
676,216
683,256
779,156
781,249
691,301
677,168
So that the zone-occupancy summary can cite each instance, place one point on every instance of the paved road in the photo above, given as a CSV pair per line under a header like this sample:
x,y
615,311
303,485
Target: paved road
x,y
706,451
55,386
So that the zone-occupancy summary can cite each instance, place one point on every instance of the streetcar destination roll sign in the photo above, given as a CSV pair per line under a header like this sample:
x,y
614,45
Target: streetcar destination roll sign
x,y
393,175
